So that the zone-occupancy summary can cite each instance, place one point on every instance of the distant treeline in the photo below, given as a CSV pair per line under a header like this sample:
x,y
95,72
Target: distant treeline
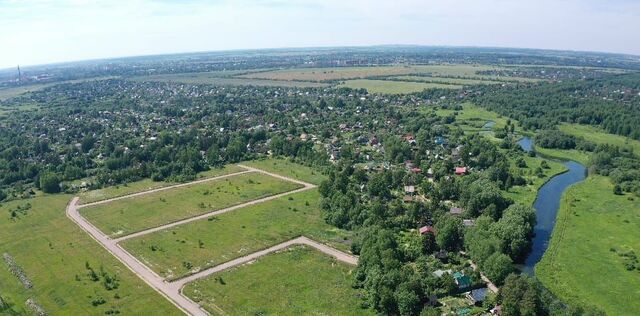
x,y
613,103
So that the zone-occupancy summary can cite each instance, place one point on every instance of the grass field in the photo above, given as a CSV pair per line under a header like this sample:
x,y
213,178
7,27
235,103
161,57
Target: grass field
x,y
599,136
220,78
527,194
580,266
52,251
129,215
575,155
394,87
288,169
454,81
472,118
340,73
297,281
8,93
184,249
146,184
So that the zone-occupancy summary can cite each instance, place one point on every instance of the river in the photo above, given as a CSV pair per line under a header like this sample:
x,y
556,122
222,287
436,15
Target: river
x,y
547,204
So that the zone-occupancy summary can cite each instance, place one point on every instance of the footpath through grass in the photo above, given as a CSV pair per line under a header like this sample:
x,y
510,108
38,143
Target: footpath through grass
x,y
130,215
288,169
146,184
297,281
195,246
53,253
584,264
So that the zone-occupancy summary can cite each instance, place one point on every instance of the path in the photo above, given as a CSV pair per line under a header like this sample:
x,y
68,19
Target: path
x,y
173,290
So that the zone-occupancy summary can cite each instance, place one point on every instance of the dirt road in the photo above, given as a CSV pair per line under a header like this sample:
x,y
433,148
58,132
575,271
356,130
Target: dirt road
x,y
172,290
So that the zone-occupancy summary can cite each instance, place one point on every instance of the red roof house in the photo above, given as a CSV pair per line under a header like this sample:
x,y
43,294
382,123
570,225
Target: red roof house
x,y
427,229
461,170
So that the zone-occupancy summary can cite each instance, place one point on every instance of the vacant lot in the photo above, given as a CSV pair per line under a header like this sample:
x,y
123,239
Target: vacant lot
x,y
146,184
184,249
288,169
222,78
394,87
297,281
53,253
583,264
129,215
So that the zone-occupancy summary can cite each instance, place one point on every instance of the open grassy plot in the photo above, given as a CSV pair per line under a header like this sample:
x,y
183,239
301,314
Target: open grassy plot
x,y
394,87
454,81
527,194
599,136
338,73
129,215
187,248
575,155
223,78
288,169
8,93
146,184
296,281
53,253
584,262
473,118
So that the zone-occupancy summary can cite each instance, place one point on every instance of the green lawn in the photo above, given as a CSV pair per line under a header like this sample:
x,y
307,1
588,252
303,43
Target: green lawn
x,y
53,251
181,250
146,184
579,265
297,281
129,215
527,194
394,87
599,136
288,169
575,155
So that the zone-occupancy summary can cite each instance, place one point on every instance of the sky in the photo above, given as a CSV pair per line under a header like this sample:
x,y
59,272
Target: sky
x,y
46,31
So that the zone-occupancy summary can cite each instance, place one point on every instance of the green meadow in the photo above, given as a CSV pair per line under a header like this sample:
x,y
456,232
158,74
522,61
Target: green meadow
x,y
296,281
125,216
394,87
287,168
54,254
585,263
146,184
188,248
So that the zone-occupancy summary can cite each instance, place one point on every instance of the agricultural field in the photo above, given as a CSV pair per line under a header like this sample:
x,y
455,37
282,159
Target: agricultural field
x,y
288,169
126,216
54,255
7,93
306,282
591,249
188,248
225,78
453,81
147,184
599,136
341,73
394,87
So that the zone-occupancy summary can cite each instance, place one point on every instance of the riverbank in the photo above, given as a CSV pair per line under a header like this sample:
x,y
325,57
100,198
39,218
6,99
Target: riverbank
x,y
584,265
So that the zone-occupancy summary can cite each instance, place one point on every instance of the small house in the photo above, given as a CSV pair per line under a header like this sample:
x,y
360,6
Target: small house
x,y
461,171
468,222
497,310
462,281
407,199
454,210
409,189
427,229
477,296
439,140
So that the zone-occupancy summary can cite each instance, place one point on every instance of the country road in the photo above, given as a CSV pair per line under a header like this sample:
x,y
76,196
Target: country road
x,y
173,290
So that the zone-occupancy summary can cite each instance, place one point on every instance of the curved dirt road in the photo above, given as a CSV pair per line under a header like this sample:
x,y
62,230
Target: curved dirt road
x,y
172,290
